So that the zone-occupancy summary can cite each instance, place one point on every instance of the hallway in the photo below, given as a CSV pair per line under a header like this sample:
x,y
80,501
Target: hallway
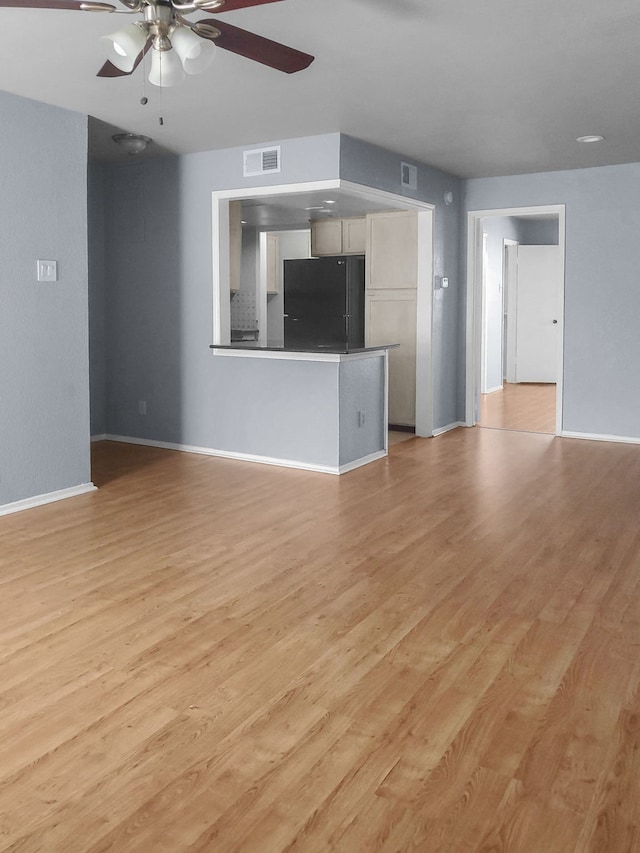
x,y
525,407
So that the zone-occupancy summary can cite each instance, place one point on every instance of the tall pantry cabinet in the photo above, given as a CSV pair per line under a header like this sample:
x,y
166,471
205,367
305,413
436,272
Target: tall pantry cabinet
x,y
391,303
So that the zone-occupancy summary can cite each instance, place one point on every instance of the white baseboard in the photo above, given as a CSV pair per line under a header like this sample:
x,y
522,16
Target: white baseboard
x,y
448,428
358,463
102,437
50,497
248,457
494,389
622,439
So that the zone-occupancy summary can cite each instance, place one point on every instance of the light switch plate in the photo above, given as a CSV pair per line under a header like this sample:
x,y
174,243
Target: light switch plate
x,y
47,270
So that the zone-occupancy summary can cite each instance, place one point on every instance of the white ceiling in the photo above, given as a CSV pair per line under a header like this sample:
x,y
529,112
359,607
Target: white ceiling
x,y
475,87
287,210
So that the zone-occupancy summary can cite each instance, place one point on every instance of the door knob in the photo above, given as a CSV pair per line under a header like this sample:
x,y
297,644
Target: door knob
x,y
554,321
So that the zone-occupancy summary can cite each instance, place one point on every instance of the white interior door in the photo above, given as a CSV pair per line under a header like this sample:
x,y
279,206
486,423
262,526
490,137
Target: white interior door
x,y
540,274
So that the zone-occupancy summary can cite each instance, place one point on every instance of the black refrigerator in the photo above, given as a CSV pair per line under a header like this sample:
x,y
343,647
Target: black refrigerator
x,y
324,303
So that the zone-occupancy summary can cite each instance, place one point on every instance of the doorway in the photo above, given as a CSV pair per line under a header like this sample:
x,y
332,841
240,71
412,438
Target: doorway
x,y
515,319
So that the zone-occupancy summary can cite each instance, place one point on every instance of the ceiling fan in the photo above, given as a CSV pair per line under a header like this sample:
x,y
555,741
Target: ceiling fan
x,y
177,45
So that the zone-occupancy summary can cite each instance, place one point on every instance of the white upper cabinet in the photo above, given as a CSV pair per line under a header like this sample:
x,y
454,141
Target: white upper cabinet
x,y
392,250
354,235
339,236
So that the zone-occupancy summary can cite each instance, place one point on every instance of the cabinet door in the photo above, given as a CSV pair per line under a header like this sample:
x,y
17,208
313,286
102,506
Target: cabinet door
x,y
354,235
326,237
392,250
273,264
391,319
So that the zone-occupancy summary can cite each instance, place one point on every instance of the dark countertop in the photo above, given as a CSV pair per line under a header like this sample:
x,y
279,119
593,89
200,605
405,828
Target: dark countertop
x,y
253,347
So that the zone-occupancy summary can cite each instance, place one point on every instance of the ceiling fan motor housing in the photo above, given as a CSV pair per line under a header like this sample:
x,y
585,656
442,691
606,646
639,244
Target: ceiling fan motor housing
x,y
159,18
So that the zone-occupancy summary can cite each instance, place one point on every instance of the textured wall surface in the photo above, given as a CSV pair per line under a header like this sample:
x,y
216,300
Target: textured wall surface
x,y
602,292
376,167
44,381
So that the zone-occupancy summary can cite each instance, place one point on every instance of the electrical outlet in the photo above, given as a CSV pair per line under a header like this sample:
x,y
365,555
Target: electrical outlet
x,y
362,418
142,407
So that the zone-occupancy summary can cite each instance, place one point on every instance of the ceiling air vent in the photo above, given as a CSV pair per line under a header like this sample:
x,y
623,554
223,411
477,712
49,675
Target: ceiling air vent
x,y
261,161
409,176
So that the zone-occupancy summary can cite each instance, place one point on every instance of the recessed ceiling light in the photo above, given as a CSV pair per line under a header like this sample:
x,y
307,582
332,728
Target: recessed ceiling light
x,y
329,201
319,207
590,137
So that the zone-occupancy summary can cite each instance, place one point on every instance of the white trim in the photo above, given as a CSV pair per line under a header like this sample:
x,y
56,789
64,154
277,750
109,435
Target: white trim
x,y
220,253
364,460
277,189
368,193
484,311
101,437
493,390
474,304
288,355
249,457
50,497
363,191
385,404
448,428
221,270
592,436
510,296
261,287
424,326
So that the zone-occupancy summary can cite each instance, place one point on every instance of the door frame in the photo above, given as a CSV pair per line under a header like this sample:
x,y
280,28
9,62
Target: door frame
x,y
474,330
425,282
510,300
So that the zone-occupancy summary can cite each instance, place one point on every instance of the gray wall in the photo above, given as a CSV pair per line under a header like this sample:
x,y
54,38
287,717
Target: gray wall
x,y
159,284
97,300
44,380
602,291
361,391
376,167
160,299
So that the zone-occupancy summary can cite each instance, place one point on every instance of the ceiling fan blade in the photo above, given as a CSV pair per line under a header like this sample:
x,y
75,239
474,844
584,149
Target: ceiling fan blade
x,y
80,5
260,49
230,5
111,70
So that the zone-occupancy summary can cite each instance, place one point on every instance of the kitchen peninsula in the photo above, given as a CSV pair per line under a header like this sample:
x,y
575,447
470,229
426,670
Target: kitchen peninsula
x,y
318,409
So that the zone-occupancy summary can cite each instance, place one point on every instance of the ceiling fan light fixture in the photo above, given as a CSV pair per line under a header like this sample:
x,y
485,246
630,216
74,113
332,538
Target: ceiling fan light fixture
x,y
195,54
123,47
166,68
208,5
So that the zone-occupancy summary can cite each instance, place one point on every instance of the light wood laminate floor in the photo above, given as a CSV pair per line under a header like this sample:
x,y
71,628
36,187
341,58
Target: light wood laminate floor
x,y
437,652
529,407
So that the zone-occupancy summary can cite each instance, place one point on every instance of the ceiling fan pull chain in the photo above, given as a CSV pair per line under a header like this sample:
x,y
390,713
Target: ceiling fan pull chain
x,y
161,117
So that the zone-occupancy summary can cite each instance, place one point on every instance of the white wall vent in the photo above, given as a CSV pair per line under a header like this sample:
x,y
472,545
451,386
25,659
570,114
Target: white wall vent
x,y
261,161
409,176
